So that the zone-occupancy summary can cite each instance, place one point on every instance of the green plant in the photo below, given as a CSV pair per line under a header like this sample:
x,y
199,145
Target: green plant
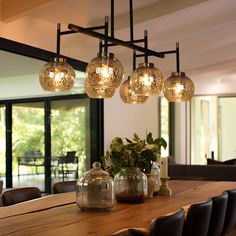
x,y
133,153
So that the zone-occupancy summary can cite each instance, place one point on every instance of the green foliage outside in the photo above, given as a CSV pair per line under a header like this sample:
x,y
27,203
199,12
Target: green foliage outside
x,y
68,133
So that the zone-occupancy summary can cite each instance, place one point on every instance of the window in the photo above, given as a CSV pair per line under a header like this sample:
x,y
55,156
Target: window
x,y
37,125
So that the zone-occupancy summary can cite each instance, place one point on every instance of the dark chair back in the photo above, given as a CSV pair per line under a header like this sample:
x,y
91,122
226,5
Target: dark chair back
x,y
230,216
18,195
130,232
218,214
63,187
71,154
168,225
198,219
171,225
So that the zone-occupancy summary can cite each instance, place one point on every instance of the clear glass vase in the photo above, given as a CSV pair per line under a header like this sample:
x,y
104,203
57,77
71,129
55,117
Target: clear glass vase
x,y
156,171
130,185
95,190
152,184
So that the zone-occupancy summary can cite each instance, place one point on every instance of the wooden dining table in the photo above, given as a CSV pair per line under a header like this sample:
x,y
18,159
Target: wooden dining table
x,y
59,215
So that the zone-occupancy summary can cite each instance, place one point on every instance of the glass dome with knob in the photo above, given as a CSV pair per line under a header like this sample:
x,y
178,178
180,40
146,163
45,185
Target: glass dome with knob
x,y
95,190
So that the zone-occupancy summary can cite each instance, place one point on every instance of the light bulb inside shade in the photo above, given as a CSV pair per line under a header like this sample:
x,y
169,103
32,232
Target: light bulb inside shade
x,y
178,88
147,80
98,91
128,95
57,75
105,70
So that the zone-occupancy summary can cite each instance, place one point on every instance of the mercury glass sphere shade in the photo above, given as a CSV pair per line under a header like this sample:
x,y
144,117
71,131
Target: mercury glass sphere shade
x,y
98,91
147,80
178,88
57,75
128,95
105,70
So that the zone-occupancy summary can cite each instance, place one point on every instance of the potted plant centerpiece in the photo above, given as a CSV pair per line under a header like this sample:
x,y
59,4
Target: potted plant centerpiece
x,y
127,160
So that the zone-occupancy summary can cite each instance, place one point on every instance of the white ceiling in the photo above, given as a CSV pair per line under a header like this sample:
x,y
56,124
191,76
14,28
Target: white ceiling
x,y
206,30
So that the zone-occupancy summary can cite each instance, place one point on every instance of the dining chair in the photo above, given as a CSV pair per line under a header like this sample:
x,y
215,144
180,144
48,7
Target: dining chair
x,y
198,219
171,225
219,205
63,187
14,196
68,164
230,216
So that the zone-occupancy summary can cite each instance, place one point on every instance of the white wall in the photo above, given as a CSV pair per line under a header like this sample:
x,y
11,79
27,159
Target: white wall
x,y
124,119
180,133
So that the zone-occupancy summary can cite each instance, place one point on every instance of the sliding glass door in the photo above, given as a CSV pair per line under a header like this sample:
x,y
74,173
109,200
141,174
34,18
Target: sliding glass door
x,y
36,137
2,143
28,144
70,134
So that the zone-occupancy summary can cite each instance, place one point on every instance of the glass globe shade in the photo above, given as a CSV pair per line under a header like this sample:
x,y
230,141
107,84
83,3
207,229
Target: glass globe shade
x,y
57,75
105,70
147,80
128,95
178,88
98,91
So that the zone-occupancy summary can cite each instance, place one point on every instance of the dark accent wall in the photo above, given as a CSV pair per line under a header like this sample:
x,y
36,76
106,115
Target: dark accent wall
x,y
203,172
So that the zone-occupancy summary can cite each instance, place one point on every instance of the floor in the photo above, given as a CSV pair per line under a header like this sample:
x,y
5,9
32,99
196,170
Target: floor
x,y
34,180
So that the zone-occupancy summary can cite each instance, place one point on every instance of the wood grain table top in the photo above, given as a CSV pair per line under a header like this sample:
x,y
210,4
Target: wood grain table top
x,y
59,214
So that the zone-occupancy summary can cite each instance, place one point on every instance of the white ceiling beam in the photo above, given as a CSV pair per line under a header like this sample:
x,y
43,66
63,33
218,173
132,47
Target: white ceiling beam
x,y
14,9
152,11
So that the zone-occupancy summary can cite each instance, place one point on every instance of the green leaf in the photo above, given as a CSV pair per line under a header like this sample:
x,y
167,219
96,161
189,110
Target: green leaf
x,y
117,140
128,140
161,142
117,147
136,137
140,145
149,138
148,155
130,146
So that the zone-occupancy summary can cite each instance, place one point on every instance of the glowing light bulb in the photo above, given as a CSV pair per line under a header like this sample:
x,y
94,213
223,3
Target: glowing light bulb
x,y
147,80
104,71
57,75
129,96
179,88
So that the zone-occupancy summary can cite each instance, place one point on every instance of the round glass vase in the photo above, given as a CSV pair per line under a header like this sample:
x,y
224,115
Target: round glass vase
x,y
130,185
95,190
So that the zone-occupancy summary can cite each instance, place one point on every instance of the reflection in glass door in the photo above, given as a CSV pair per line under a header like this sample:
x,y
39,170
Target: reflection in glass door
x,y
69,139
3,144
28,144
227,128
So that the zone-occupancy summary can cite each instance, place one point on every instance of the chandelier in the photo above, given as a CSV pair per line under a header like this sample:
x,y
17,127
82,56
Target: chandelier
x,y
104,73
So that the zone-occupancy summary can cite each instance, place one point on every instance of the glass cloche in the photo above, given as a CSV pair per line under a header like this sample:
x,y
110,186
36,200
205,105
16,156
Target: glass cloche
x,y
95,190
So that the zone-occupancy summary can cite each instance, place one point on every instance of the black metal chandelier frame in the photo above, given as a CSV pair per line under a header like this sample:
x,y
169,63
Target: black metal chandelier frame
x,y
106,40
